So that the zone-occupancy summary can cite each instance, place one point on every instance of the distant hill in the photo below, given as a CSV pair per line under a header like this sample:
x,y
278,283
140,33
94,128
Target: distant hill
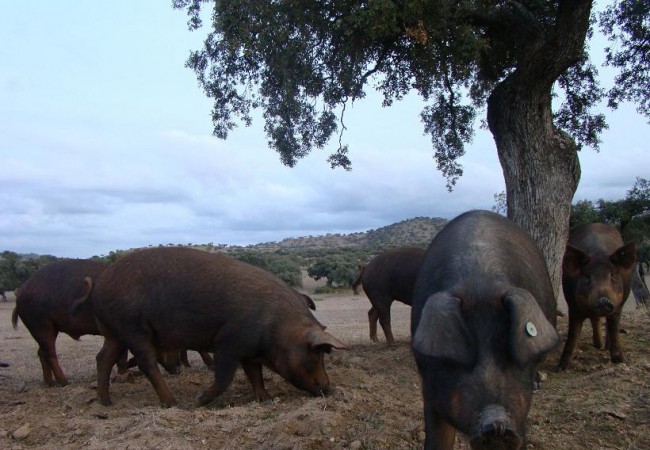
x,y
411,232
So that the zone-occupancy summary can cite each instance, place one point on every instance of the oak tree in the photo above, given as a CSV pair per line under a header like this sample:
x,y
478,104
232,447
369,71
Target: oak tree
x,y
301,63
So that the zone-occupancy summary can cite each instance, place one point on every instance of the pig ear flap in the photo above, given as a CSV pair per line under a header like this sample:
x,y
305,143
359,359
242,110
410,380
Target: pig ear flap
x,y
624,257
322,341
442,332
574,260
531,334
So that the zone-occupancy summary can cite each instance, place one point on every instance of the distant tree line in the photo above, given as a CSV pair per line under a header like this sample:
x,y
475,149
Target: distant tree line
x,y
339,266
16,269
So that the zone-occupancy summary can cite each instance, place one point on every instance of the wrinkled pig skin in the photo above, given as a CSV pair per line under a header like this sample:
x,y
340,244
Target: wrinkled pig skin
x,y
387,277
175,298
483,319
43,304
596,281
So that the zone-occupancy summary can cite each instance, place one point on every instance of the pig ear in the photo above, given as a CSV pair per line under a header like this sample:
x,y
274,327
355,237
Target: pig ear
x,y
531,334
574,260
624,257
442,331
320,340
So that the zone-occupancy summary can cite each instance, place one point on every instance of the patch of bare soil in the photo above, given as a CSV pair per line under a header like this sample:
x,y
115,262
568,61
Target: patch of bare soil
x,y
376,405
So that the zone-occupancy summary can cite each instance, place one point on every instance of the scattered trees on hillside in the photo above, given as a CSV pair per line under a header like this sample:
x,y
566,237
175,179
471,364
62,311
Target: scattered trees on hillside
x,y
336,269
284,267
16,269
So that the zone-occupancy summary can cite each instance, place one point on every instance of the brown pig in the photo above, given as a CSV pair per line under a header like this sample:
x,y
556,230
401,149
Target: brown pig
x,y
388,276
483,319
596,278
43,304
171,298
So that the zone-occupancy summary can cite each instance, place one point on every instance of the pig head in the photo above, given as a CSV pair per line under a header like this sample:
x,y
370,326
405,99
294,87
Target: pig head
x,y
598,284
483,392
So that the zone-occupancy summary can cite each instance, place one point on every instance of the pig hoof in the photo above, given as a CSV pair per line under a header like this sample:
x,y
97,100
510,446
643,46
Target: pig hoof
x,y
560,368
205,399
105,402
617,359
168,404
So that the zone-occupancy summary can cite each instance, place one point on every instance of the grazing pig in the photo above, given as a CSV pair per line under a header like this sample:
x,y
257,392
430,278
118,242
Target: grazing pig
x,y
596,277
183,298
388,276
483,319
43,303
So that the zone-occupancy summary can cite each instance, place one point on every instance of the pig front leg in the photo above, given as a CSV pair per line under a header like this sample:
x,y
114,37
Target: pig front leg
x,y
575,327
373,317
145,355
596,327
614,338
439,434
254,373
225,366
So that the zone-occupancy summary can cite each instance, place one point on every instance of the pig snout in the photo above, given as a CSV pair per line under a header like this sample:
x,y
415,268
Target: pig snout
x,y
604,306
495,431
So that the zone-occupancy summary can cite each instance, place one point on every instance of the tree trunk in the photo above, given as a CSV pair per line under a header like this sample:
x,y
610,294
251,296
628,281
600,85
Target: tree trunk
x,y
540,166
540,162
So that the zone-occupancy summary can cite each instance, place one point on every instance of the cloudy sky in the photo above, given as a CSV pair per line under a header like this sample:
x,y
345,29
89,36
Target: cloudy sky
x,y
105,144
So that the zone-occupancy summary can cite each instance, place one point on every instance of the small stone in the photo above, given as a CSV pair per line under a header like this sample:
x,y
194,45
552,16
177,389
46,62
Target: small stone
x,y
22,432
422,436
355,445
542,376
22,388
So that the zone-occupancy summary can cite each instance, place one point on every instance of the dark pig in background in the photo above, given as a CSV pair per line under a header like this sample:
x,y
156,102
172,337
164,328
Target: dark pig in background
x,y
596,278
387,277
483,319
174,298
43,303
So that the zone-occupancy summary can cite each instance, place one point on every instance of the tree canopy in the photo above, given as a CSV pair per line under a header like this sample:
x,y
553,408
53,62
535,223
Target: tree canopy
x,y
302,62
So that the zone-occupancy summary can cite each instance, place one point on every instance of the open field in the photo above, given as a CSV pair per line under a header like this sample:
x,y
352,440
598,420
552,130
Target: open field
x,y
376,405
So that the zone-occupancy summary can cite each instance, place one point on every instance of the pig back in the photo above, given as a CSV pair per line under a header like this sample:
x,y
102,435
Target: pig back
x,y
187,297
393,272
482,253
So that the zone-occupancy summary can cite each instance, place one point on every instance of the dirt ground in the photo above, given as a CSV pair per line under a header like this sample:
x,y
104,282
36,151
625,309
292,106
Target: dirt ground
x,y
376,404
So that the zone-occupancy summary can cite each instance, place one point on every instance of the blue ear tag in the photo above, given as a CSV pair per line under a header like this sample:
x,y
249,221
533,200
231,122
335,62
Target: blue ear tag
x,y
531,329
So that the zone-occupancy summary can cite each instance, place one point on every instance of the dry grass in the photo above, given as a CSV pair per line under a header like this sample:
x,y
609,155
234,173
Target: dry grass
x,y
377,403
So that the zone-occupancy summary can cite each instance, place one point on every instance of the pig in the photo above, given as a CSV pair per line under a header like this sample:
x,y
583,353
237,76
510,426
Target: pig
x,y
388,276
483,319
184,298
43,304
596,278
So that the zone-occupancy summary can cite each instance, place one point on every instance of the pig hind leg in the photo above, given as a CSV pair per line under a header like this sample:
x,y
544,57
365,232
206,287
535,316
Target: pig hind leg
x,y
383,309
373,317
52,372
254,374
111,352
225,366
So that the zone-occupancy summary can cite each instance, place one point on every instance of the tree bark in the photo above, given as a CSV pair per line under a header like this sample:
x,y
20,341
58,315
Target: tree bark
x,y
540,166
540,162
